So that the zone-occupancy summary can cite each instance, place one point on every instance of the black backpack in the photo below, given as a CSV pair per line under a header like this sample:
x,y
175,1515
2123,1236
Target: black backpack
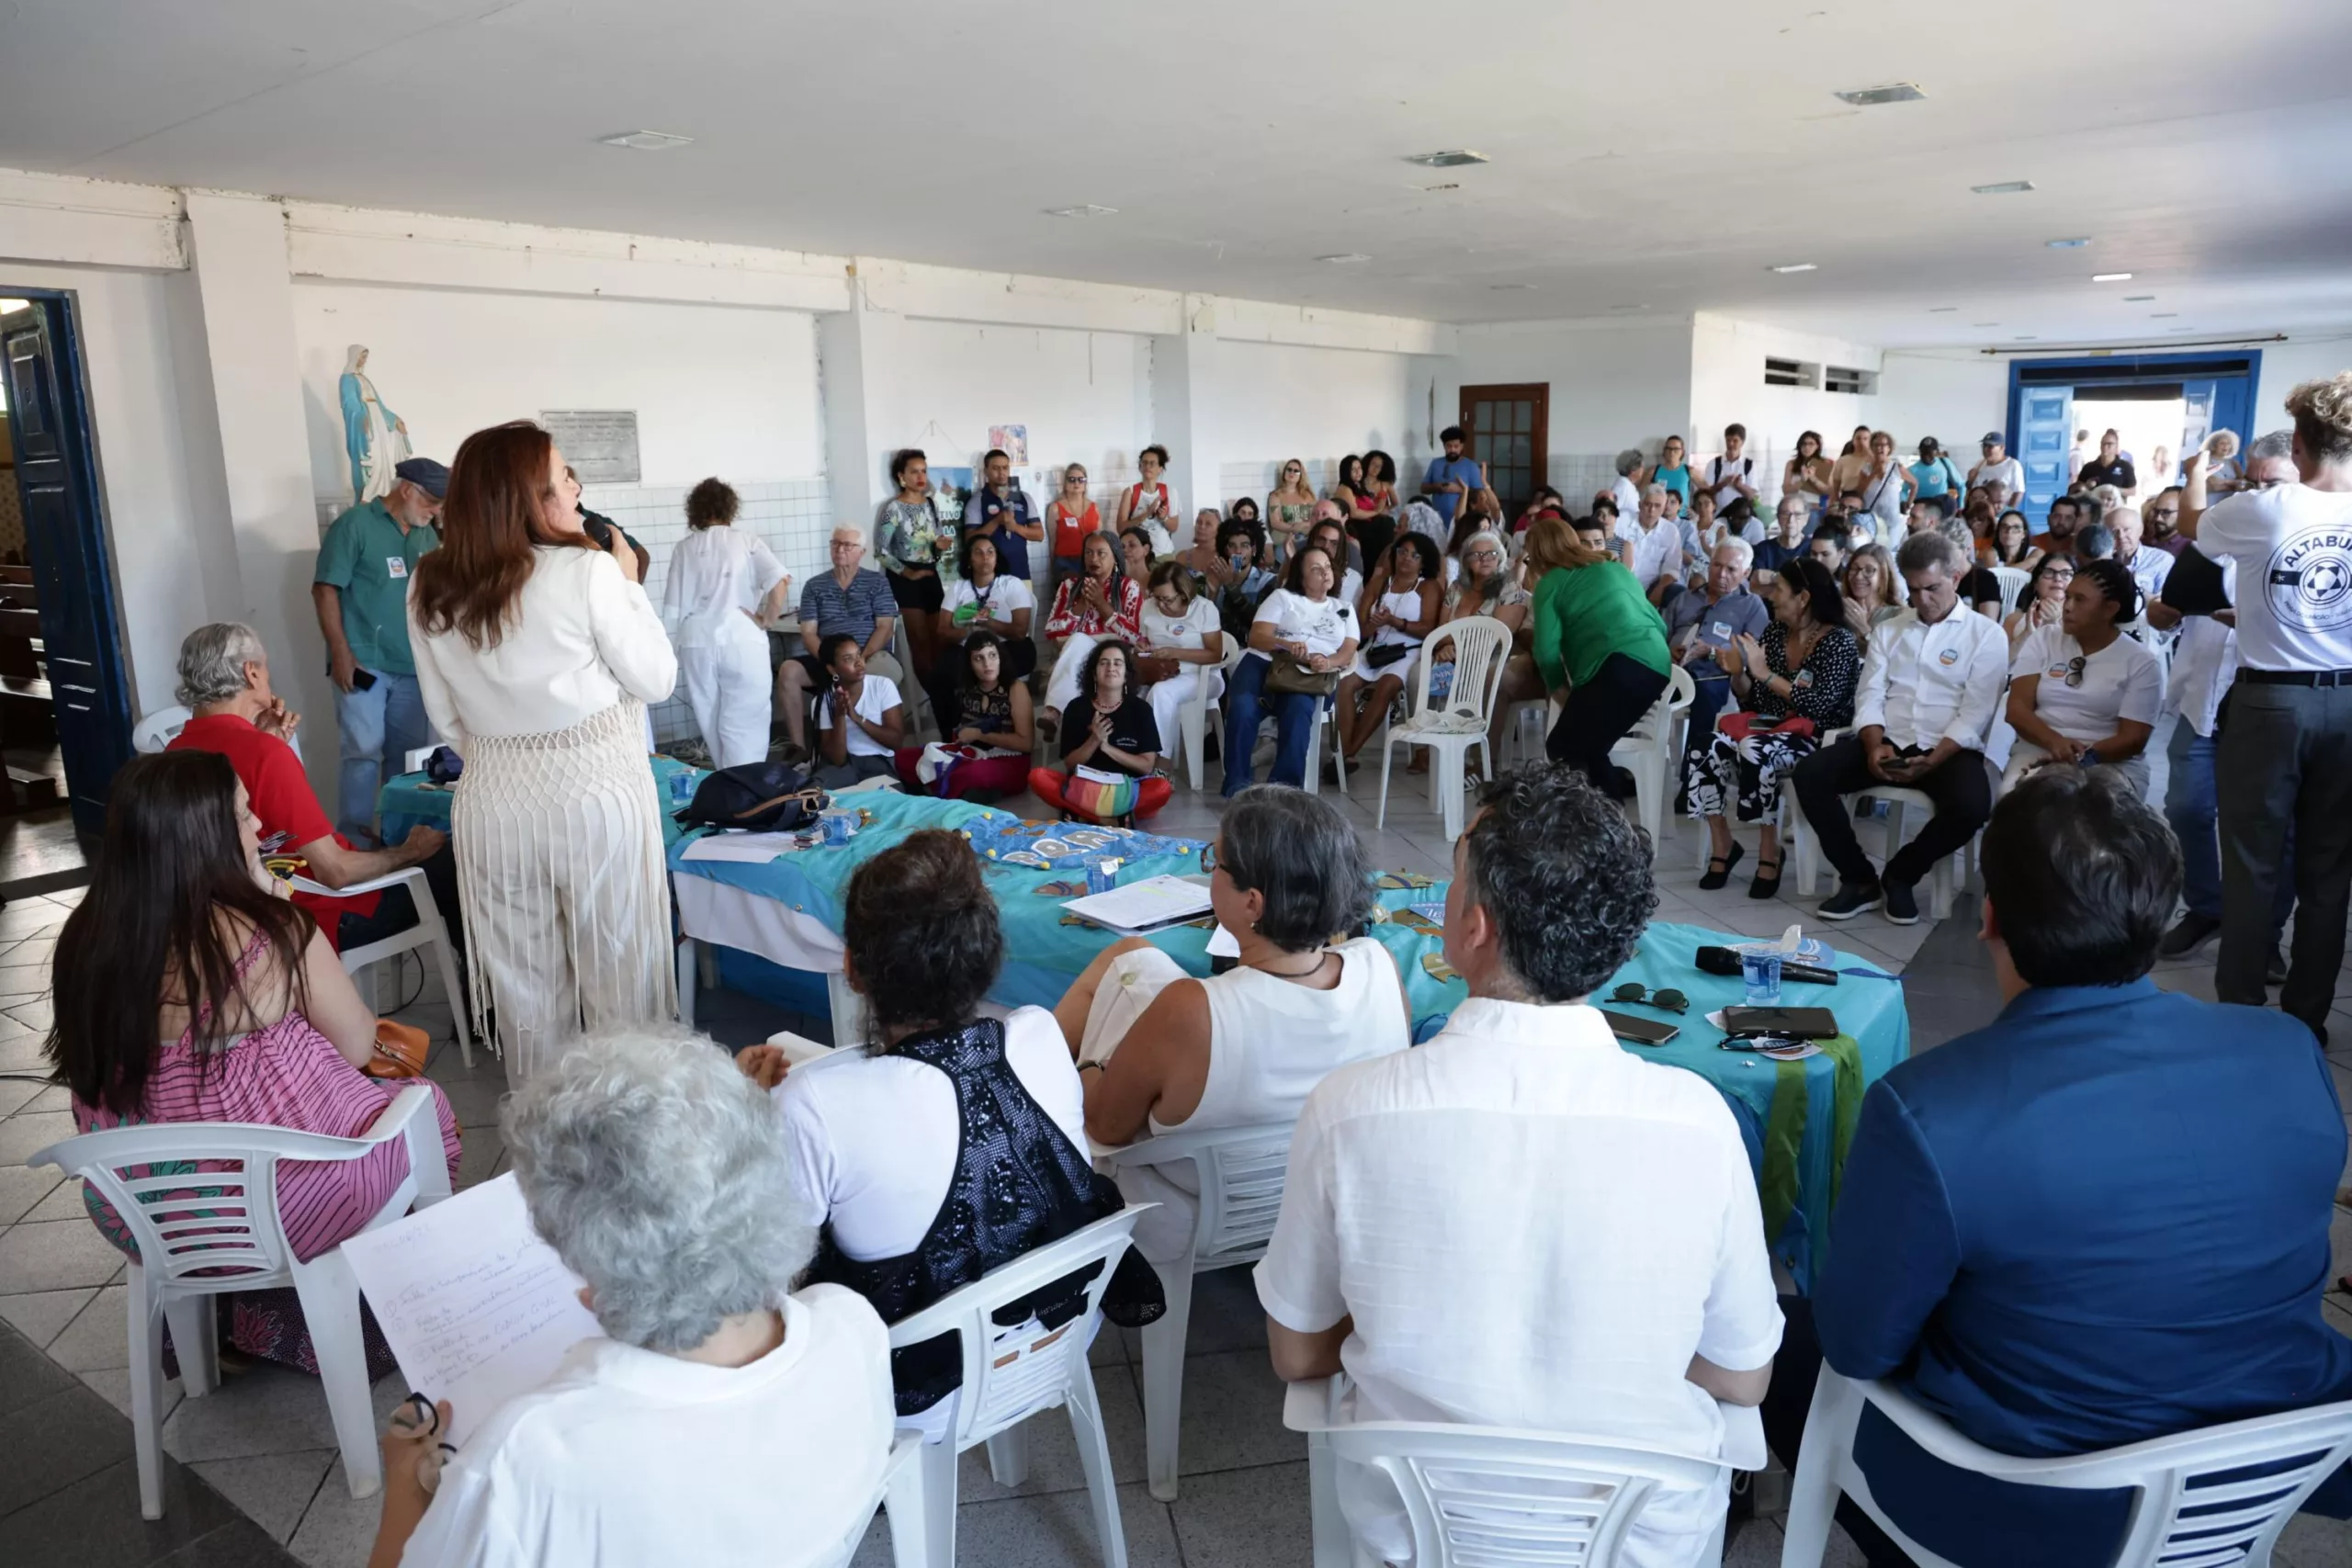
x,y
772,797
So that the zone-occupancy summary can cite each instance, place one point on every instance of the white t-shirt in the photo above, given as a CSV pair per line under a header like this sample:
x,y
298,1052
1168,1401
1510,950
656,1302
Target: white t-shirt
x,y
1189,631
1007,593
1629,497
630,1456
1595,1227
2120,681
873,1138
1296,618
1654,551
2009,473
2204,662
1722,473
878,696
2297,611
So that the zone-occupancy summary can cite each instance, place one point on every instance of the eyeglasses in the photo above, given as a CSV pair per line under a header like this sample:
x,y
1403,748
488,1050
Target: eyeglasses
x,y
1669,999
2075,669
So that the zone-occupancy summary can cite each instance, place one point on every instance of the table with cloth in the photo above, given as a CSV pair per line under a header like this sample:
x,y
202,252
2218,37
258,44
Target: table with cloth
x,y
410,799
774,930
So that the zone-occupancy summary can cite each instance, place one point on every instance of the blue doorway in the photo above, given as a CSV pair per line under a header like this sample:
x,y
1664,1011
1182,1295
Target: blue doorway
x,y
2215,391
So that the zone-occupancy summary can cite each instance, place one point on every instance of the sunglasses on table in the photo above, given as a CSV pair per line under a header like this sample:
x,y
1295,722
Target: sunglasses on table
x,y
1669,999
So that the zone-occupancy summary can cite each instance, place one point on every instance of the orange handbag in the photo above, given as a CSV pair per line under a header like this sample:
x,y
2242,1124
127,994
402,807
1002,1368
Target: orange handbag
x,y
401,1050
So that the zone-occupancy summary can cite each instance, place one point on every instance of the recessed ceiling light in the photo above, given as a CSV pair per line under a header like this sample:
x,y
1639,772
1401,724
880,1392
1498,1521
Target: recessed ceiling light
x,y
1895,92
2026,337
1453,159
1450,185
2138,299
1345,258
1794,267
647,141
2111,278
2075,244
2163,315
2180,328
1984,323
2006,187
1083,209
1629,307
1505,288
1941,310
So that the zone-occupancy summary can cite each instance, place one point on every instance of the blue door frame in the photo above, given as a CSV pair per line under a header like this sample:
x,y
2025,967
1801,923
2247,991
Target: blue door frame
x,y
2222,382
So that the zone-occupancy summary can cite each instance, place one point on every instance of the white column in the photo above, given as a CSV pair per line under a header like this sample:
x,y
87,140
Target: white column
x,y
861,355
1183,392
246,295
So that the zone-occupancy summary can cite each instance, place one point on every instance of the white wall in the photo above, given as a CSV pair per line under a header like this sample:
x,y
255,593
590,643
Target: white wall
x,y
1954,395
1615,384
716,390
2304,357
1275,402
1727,386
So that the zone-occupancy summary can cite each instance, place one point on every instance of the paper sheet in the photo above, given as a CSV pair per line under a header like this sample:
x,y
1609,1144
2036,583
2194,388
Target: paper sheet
x,y
1154,901
1223,944
756,849
476,1307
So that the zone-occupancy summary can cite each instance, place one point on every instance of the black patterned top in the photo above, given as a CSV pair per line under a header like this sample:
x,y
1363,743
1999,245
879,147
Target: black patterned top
x,y
1824,685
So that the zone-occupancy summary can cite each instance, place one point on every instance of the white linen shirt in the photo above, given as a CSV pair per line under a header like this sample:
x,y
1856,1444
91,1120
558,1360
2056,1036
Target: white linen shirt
x,y
2204,662
582,636
1923,683
717,577
2298,544
1529,1227
2120,681
1653,551
628,1455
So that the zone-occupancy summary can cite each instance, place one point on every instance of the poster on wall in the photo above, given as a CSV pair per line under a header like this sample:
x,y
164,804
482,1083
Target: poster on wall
x,y
599,443
950,490
1013,440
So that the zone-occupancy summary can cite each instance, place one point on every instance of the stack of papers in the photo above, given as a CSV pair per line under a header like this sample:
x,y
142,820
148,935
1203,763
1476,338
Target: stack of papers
x,y
1143,905
756,849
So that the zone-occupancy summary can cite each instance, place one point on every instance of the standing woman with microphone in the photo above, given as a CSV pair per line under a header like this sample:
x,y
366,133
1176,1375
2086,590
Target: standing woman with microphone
x,y
538,652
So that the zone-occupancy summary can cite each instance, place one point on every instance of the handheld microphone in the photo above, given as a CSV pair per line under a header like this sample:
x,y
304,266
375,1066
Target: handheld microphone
x,y
1724,961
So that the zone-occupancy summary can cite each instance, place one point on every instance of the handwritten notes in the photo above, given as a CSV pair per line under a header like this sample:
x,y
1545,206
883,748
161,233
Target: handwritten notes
x,y
476,1307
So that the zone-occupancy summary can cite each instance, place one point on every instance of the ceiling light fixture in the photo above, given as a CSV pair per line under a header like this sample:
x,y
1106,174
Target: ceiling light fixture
x,y
2163,315
2006,187
1794,267
1642,307
2111,278
1453,159
1345,258
1894,92
1083,209
1501,287
1941,310
1450,185
2138,299
646,140
2026,337
1984,323
2075,244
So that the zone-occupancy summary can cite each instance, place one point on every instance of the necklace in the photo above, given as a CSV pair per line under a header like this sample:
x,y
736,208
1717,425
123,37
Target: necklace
x,y
1315,962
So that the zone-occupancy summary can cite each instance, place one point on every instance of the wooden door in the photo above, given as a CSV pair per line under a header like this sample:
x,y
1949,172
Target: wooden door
x,y
1509,429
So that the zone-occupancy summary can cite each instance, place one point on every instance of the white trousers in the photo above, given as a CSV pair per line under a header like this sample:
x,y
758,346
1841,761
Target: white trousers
x,y
727,685
1061,686
1167,699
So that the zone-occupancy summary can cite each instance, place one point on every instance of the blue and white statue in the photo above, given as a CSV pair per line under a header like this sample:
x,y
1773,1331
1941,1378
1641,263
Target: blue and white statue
x,y
376,438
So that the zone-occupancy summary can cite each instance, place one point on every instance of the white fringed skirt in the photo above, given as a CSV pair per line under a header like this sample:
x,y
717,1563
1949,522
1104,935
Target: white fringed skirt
x,y
558,839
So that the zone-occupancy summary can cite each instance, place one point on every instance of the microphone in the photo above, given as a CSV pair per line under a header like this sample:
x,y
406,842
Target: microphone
x,y
1724,961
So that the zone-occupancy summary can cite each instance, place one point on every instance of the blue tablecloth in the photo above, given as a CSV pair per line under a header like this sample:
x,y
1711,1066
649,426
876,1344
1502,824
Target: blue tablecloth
x,y
412,798
1797,1116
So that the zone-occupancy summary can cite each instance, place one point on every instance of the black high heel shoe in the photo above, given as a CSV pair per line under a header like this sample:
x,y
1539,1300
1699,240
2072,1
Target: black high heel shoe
x,y
1764,886
1719,867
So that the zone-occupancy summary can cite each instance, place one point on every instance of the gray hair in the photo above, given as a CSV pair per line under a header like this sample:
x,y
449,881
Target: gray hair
x,y
1629,459
1304,856
2278,446
659,1174
1929,551
1661,492
213,659
1740,548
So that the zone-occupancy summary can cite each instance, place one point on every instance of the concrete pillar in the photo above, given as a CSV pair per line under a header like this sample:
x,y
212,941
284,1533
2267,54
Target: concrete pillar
x,y
245,293
1183,396
858,351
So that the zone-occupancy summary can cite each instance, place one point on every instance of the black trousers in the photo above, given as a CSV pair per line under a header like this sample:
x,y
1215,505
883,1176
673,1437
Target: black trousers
x,y
1962,789
2283,774
1598,713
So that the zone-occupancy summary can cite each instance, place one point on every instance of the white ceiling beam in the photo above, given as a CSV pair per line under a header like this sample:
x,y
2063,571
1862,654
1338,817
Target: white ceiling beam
x,y
57,218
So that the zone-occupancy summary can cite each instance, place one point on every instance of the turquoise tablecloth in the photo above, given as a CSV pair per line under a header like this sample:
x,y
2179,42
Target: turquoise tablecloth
x,y
1797,1116
410,799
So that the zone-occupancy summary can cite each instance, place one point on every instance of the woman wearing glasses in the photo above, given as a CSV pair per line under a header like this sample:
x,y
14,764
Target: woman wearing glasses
x,y
1290,509
2043,602
2081,691
1069,518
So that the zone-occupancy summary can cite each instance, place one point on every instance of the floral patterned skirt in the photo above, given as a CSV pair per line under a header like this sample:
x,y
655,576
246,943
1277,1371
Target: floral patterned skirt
x,y
1748,771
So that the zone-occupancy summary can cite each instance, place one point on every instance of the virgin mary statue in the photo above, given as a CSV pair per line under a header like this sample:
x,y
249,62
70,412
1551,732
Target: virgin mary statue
x,y
375,437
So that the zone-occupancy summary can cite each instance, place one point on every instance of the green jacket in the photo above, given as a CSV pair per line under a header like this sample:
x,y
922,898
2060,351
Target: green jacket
x,y
1582,615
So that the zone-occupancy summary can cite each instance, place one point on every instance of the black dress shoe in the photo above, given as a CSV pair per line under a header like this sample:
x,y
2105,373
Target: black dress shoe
x,y
2188,934
1719,867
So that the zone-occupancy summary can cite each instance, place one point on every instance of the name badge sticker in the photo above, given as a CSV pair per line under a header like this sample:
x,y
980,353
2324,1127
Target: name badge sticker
x,y
1948,658
396,567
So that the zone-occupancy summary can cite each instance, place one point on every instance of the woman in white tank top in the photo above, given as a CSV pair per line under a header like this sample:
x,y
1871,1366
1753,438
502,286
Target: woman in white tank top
x,y
1402,604
1160,1050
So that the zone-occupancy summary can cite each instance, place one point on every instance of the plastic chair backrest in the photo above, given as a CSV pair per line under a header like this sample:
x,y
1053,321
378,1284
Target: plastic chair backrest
x,y
2012,579
1483,1498
1241,1172
1481,644
1681,691
160,729
201,1229
1012,1372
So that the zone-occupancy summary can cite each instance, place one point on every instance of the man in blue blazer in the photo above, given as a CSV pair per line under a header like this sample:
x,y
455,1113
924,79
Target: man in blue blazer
x,y
2102,1218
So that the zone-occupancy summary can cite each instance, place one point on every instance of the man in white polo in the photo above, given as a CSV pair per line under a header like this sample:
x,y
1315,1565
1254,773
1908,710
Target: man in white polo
x,y
1521,1224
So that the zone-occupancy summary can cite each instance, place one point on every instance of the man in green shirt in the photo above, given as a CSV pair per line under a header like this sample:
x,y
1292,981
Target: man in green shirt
x,y
361,590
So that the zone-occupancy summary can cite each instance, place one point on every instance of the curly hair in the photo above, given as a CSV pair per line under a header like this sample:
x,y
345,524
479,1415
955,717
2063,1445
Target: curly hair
x,y
1424,549
654,1169
1563,875
1298,851
1088,675
2323,412
964,554
921,933
712,504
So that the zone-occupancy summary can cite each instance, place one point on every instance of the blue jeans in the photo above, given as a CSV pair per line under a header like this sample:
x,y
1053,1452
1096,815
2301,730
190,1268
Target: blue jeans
x,y
379,725
2192,805
1247,702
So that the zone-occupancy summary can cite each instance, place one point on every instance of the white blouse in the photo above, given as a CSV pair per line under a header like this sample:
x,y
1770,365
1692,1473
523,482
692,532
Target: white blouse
x,y
580,637
713,574
1189,631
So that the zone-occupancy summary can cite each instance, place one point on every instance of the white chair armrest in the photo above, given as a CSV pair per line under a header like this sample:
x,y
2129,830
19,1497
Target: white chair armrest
x,y
1314,1406
354,889
394,1120
1744,1447
416,756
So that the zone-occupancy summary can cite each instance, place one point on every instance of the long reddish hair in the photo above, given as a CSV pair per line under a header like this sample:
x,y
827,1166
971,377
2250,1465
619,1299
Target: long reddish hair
x,y
490,522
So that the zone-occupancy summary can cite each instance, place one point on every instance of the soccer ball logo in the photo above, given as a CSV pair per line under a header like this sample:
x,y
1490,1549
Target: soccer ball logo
x,y
2311,581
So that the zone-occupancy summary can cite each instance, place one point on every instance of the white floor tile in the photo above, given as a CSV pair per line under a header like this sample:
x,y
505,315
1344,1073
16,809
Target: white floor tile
x,y
275,1489
98,1337
42,1316
59,1255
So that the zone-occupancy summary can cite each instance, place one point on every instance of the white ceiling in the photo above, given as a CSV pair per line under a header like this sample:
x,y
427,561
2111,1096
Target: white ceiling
x,y
1657,157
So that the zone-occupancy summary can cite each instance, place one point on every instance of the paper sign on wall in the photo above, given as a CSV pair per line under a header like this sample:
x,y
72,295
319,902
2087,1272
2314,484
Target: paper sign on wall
x,y
1013,440
599,443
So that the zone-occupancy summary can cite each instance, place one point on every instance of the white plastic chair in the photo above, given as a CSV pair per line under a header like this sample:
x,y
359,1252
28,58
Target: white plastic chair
x,y
1451,727
1498,1497
1324,709
1194,714
1239,1172
1945,882
1649,752
2012,579
1785,812
902,1492
227,1236
2186,1515
160,729
1011,1373
429,930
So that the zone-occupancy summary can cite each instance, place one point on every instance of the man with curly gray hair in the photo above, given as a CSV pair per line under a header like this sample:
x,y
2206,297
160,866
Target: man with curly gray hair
x,y
1581,1222
722,1418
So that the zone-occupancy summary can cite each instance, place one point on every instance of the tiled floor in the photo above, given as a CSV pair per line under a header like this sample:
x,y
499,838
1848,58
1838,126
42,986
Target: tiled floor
x,y
253,1471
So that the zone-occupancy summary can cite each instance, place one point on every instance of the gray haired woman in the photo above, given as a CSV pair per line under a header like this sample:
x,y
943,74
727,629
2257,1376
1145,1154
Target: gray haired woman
x,y
722,1418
